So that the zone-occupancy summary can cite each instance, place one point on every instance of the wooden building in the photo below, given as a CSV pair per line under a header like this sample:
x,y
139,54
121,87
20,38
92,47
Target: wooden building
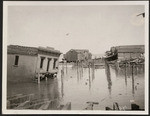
x,y
129,51
74,55
23,63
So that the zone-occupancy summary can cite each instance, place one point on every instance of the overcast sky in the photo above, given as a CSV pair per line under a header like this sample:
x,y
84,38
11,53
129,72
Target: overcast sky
x,y
96,28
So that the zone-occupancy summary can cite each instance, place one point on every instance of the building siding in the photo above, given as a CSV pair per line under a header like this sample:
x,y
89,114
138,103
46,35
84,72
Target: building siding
x,y
129,51
24,71
71,56
77,55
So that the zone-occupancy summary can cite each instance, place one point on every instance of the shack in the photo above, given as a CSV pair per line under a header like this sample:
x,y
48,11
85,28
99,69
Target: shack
x,y
24,63
74,55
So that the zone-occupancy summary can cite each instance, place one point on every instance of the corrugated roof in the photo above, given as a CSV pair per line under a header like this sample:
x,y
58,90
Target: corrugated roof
x,y
24,50
129,48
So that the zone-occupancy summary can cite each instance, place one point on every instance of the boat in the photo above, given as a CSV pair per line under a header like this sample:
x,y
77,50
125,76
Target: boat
x,y
111,56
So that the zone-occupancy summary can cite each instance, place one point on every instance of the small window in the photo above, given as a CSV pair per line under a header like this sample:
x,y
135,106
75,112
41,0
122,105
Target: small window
x,y
54,65
41,64
48,64
16,60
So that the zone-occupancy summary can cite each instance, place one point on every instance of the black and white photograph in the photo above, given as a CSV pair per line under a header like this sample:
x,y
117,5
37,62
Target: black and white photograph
x,y
75,57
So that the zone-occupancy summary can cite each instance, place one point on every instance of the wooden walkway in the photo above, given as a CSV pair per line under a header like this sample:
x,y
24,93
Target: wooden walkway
x,y
21,101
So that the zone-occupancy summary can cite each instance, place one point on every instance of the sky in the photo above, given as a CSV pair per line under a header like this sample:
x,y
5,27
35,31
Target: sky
x,y
92,27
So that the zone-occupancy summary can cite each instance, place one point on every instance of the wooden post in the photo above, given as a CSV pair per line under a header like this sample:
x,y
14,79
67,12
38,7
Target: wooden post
x,y
89,77
63,68
62,83
93,70
108,75
77,71
66,67
125,74
38,77
132,79
82,68
115,106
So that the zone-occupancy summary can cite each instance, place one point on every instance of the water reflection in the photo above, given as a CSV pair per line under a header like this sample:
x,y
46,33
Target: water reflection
x,y
108,75
62,83
93,70
77,71
133,91
125,74
131,71
116,68
80,85
66,68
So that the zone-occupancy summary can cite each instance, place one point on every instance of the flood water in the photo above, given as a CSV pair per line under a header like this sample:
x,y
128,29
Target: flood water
x,y
78,85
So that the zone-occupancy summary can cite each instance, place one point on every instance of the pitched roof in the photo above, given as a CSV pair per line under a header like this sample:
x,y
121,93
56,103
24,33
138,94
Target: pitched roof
x,y
24,50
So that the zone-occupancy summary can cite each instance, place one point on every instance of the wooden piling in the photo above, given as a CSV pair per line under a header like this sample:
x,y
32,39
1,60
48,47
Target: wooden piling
x,y
82,68
115,106
125,74
132,79
38,78
93,70
63,67
62,83
89,77
77,71
66,67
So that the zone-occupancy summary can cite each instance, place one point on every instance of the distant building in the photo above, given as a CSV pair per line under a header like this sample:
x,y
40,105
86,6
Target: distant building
x,y
129,51
97,56
23,63
98,61
74,55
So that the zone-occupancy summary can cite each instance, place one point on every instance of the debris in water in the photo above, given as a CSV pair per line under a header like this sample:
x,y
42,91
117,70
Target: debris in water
x,y
90,105
132,101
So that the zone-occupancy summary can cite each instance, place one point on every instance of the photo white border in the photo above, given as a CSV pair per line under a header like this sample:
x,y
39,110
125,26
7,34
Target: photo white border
x,y
72,3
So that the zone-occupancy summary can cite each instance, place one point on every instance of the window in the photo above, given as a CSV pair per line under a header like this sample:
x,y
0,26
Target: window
x,y
41,64
54,65
48,64
16,60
